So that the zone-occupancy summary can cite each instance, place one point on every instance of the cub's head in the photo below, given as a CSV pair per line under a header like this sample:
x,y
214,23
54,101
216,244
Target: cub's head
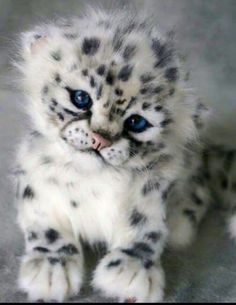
x,y
108,85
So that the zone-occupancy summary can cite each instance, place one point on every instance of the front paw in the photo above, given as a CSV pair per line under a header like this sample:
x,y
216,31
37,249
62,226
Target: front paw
x,y
51,277
129,279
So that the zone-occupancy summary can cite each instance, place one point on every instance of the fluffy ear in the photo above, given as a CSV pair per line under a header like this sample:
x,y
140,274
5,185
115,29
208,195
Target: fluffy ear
x,y
33,42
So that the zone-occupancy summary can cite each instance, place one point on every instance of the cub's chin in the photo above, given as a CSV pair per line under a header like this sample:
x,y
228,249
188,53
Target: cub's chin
x,y
109,157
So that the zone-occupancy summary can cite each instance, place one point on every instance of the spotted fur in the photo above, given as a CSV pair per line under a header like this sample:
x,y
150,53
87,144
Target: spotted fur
x,y
130,194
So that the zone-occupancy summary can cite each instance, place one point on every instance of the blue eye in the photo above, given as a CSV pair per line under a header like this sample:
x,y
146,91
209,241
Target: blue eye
x,y
80,99
137,123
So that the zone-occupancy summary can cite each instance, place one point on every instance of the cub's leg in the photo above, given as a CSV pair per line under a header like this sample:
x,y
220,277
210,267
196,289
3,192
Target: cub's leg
x,y
188,204
132,271
52,267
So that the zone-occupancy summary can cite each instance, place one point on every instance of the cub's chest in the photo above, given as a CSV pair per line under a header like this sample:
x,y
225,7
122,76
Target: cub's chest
x,y
98,205
100,187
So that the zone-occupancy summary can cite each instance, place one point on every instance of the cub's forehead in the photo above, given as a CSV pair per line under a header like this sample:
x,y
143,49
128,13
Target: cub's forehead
x,y
125,54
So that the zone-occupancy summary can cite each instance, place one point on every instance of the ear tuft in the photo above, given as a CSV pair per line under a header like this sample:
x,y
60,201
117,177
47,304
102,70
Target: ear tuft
x,y
33,42
38,45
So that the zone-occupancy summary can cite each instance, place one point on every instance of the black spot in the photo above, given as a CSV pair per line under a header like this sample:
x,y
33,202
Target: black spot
x,y
119,92
68,250
132,102
110,78
74,204
100,247
154,236
116,111
58,78
52,236
53,260
121,101
45,90
125,73
85,72
191,215
41,250
106,105
148,264
28,193
113,264
129,52
37,36
117,40
143,249
54,102
56,55
166,123
145,90
60,116
101,70
90,46
137,218
150,186
99,92
92,82
146,106
158,108
162,52
150,90
32,236
130,252
172,74
146,78
158,89
56,260
196,199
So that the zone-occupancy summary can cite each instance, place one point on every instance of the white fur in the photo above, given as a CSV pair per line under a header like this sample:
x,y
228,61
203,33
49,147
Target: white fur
x,y
116,198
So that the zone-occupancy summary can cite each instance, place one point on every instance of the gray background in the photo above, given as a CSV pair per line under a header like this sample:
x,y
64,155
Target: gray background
x,y
206,36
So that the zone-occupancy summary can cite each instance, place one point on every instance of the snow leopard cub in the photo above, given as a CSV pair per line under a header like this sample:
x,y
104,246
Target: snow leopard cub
x,y
112,124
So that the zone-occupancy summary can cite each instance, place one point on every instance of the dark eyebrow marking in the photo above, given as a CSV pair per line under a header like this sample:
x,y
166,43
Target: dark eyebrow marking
x,y
68,111
132,102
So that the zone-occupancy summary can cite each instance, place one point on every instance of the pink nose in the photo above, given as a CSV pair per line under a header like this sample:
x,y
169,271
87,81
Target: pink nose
x,y
98,142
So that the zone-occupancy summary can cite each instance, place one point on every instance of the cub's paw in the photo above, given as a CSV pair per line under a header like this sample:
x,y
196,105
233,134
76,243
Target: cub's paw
x,y
129,279
50,277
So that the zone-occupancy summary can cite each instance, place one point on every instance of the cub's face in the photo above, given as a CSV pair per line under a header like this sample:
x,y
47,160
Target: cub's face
x,y
111,91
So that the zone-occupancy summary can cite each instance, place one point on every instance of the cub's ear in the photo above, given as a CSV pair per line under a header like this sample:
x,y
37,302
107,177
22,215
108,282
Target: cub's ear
x,y
33,42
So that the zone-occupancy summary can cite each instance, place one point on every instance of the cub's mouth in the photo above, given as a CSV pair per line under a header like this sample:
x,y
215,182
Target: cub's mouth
x,y
114,153
82,139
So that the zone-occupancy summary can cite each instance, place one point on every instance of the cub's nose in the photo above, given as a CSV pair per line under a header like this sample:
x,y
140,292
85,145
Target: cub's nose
x,y
98,142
